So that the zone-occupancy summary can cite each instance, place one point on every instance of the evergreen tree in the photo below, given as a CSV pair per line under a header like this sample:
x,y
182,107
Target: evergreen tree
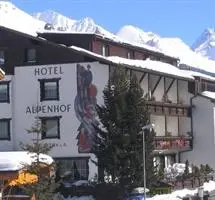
x,y
45,186
119,144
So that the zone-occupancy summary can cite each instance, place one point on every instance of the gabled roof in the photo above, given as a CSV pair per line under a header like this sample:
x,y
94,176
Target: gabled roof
x,y
116,40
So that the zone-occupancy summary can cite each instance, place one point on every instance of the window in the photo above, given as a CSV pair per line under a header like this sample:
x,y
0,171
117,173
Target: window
x,y
49,89
130,55
72,169
30,55
4,129
153,58
50,127
2,57
4,92
105,50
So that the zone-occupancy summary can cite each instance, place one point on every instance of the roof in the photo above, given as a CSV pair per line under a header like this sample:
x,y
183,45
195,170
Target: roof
x,y
116,39
208,94
16,160
199,74
142,65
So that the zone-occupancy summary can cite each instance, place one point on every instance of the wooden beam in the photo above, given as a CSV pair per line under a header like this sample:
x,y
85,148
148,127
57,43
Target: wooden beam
x,y
142,77
170,85
156,85
165,119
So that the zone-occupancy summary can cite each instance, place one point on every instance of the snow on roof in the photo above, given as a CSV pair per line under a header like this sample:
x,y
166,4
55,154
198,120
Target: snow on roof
x,y
111,37
63,32
199,74
208,94
150,65
15,160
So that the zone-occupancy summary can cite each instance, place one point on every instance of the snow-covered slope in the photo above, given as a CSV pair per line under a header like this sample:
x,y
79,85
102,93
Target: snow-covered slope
x,y
137,35
55,18
14,18
171,46
63,23
205,44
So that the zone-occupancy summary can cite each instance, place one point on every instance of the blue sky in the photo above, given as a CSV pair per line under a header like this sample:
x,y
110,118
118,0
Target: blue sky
x,y
169,18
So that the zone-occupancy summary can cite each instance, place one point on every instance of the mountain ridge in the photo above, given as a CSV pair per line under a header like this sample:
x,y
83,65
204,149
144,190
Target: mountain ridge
x,y
197,56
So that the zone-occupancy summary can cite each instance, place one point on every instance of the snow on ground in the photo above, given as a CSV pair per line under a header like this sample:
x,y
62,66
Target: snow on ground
x,y
15,160
177,195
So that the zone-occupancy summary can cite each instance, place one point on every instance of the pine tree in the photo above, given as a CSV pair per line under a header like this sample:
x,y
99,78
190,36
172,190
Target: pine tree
x,y
119,141
45,186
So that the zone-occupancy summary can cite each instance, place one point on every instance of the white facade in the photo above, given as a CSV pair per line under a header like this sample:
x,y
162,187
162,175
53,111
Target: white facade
x,y
203,113
25,99
26,104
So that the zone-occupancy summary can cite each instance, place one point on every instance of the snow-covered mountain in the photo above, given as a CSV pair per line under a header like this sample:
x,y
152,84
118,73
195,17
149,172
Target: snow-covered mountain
x,y
137,35
63,23
205,44
171,46
14,18
54,18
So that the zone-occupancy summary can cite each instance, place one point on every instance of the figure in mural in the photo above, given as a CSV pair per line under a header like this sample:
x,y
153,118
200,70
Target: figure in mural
x,y
85,103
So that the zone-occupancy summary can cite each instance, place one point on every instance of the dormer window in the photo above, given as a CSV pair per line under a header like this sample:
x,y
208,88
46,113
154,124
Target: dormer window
x,y
130,55
30,55
105,50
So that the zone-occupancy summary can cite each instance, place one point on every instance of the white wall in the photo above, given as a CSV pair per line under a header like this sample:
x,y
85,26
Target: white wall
x,y
6,112
203,133
27,94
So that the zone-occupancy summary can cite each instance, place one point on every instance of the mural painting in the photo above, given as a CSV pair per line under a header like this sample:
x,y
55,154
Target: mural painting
x,y
85,108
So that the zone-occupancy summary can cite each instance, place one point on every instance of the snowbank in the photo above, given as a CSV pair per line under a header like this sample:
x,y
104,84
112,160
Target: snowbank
x,y
177,195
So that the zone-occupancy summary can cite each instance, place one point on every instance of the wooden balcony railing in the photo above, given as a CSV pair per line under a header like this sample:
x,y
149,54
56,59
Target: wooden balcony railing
x,y
171,109
180,143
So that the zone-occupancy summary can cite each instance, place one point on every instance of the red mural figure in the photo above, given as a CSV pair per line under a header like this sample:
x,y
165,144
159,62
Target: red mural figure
x,y
85,103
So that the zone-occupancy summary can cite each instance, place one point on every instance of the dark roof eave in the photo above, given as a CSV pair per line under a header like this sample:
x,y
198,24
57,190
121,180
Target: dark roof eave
x,y
97,36
100,59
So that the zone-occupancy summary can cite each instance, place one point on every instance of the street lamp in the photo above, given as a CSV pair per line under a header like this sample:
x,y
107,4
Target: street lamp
x,y
148,126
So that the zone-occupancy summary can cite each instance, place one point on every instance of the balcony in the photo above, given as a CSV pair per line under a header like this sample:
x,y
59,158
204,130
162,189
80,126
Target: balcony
x,y
173,143
168,109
